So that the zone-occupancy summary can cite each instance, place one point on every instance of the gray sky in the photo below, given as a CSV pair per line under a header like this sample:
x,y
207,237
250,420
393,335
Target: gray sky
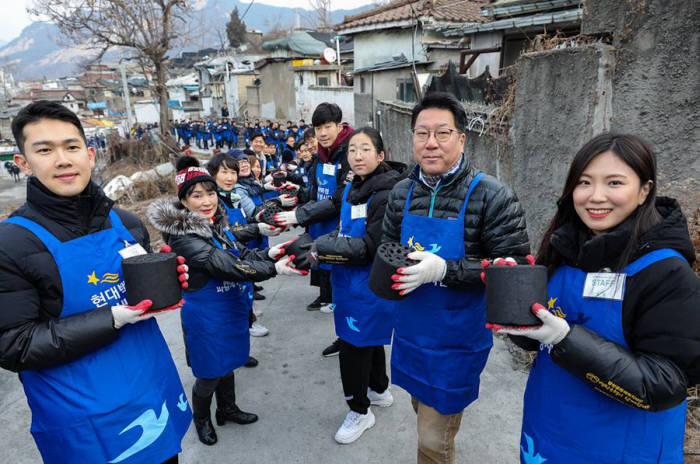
x,y
14,16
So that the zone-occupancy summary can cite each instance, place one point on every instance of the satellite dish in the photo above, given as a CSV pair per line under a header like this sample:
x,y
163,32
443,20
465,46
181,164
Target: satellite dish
x,y
328,55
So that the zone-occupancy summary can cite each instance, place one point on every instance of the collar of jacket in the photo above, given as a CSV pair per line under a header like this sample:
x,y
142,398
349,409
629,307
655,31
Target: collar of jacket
x,y
382,178
463,169
82,214
591,253
165,215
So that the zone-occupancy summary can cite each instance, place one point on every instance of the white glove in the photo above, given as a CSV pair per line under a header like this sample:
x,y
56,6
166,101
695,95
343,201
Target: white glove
x,y
269,185
286,218
285,267
431,268
267,179
552,331
288,200
124,314
277,251
269,231
290,167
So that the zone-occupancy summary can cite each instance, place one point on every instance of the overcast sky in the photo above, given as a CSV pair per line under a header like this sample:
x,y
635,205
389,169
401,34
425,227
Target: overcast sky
x,y
14,16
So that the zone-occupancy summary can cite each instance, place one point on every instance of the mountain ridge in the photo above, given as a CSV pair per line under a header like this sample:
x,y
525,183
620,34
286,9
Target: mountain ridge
x,y
40,52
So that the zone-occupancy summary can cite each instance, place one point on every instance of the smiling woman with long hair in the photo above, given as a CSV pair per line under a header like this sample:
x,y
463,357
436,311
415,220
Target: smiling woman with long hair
x,y
620,337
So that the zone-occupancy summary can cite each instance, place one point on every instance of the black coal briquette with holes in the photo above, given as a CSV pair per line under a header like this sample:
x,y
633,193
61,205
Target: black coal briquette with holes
x,y
268,215
154,277
511,292
278,178
390,257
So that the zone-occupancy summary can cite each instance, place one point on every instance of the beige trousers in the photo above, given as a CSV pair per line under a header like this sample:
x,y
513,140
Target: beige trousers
x,y
436,434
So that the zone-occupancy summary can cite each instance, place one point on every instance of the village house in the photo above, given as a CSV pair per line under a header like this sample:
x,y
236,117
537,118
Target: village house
x,y
225,80
301,72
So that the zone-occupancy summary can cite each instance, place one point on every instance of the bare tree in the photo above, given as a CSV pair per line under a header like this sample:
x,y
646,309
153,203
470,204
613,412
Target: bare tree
x,y
148,27
323,13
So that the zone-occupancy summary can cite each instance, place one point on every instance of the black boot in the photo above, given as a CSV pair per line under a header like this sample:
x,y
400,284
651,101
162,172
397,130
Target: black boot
x,y
201,410
226,409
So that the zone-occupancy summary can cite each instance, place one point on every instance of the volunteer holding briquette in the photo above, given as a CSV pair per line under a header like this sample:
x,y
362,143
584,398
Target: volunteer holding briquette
x,y
216,310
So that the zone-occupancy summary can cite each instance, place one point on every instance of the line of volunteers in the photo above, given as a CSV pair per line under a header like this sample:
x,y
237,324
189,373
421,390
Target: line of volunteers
x,y
613,365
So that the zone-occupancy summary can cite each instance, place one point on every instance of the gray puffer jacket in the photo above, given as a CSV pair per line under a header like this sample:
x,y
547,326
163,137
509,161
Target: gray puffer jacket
x,y
494,224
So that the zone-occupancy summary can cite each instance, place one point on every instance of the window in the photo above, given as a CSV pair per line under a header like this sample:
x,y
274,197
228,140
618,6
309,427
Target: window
x,y
323,81
405,91
362,85
301,78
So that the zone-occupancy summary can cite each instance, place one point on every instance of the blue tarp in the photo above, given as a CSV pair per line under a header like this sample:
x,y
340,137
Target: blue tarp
x,y
97,105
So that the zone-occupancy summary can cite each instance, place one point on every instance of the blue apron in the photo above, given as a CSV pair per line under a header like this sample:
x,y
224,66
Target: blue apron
x,y
566,420
326,186
440,342
236,218
123,403
215,322
361,318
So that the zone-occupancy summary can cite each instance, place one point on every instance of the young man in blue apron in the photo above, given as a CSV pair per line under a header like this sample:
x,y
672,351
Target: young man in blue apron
x,y
98,376
453,216
328,173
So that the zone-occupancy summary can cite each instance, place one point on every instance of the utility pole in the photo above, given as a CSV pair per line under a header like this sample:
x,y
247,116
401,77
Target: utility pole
x,y
127,98
337,54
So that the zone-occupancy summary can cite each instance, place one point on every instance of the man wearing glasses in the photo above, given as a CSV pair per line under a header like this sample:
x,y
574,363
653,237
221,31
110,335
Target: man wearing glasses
x,y
454,217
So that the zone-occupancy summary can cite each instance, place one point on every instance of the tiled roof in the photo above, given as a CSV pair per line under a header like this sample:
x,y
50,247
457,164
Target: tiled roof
x,y
50,94
399,10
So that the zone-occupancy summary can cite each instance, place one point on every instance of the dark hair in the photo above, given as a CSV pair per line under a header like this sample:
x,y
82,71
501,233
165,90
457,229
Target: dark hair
x,y
186,162
257,134
309,133
253,161
639,156
373,135
207,185
42,109
326,112
222,159
442,101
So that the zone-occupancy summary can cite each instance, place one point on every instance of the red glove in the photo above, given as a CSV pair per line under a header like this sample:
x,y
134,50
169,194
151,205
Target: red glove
x,y
277,251
181,267
125,314
502,262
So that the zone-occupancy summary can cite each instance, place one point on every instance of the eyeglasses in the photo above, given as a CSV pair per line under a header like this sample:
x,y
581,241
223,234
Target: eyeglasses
x,y
441,135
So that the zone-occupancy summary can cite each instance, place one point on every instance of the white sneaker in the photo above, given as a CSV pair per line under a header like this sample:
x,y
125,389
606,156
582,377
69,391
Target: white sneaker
x,y
353,426
258,330
328,309
383,400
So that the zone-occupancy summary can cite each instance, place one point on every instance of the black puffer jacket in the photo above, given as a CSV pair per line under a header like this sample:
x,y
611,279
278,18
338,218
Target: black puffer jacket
x,y
31,295
660,313
494,224
361,250
192,236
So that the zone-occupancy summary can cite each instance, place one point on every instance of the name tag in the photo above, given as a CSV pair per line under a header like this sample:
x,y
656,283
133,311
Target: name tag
x,y
358,211
605,285
329,169
132,250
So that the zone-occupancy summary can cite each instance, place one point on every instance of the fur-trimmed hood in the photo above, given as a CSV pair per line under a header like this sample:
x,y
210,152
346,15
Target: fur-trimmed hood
x,y
165,216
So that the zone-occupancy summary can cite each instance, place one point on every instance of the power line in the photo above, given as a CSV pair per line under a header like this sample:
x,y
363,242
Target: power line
x,y
246,10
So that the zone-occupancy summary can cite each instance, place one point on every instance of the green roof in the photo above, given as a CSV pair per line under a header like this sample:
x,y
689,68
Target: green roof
x,y
299,42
